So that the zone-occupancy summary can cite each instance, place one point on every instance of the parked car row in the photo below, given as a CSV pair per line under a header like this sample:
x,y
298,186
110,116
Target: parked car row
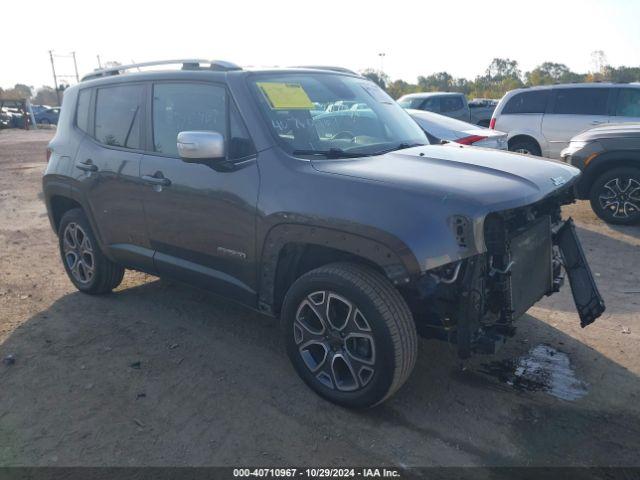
x,y
542,120
13,114
451,104
593,126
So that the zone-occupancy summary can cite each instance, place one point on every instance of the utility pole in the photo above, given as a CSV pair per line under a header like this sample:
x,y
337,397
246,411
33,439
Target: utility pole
x,y
55,79
99,63
75,65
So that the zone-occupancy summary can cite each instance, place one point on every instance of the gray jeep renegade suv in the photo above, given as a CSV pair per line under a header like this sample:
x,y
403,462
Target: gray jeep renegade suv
x,y
345,223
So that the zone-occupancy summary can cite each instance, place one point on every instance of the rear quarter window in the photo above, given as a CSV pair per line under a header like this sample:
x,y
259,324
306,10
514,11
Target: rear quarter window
x,y
527,102
82,110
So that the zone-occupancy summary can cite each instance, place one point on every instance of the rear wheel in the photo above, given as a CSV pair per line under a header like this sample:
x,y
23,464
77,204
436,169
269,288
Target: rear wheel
x,y
349,334
615,196
526,146
87,267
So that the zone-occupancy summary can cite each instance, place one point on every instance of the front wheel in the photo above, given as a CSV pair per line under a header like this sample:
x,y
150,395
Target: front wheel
x,y
615,196
349,334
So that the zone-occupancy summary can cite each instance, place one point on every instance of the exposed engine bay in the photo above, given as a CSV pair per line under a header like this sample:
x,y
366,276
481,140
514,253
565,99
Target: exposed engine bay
x,y
474,302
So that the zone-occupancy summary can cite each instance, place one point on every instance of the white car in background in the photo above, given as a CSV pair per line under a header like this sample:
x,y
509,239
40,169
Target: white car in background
x,y
542,120
438,128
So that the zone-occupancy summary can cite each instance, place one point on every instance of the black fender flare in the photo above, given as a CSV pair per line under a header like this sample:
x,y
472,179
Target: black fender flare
x,y
393,256
603,162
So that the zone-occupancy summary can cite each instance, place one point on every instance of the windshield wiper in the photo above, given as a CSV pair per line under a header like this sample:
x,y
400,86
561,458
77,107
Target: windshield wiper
x,y
400,146
331,153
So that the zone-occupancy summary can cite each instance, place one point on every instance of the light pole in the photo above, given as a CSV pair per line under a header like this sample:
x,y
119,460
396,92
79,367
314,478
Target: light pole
x,y
382,55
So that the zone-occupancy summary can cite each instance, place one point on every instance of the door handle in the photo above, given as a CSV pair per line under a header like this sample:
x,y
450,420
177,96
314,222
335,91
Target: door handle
x,y
87,166
597,122
153,180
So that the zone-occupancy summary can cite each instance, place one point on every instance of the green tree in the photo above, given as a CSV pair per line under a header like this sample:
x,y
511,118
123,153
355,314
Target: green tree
x,y
437,82
549,72
379,78
622,74
45,96
501,68
398,88
24,91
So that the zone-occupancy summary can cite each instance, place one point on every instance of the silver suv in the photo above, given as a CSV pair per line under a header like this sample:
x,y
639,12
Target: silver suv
x,y
542,120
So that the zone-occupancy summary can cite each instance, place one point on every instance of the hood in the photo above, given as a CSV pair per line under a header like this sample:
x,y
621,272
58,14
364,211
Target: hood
x,y
613,130
476,176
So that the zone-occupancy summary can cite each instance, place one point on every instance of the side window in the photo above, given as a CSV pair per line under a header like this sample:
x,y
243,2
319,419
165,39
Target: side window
x,y
430,104
450,104
179,107
628,104
240,144
527,102
118,113
82,110
581,101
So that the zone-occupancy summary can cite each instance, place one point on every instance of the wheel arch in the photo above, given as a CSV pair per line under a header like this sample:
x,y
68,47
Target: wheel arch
x,y
61,204
291,250
601,164
524,136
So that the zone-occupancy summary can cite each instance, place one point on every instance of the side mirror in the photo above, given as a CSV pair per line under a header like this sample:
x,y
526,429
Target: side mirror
x,y
193,146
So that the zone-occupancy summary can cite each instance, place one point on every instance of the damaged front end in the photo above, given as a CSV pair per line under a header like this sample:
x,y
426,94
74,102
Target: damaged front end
x,y
475,301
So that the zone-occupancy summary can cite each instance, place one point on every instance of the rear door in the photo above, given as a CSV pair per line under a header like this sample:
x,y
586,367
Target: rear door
x,y
107,169
571,111
200,217
627,105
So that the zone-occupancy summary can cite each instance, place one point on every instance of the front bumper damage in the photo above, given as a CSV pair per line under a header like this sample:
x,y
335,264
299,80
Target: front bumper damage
x,y
475,302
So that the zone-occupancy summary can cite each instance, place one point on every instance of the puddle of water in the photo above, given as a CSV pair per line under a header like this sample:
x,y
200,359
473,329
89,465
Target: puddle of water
x,y
543,369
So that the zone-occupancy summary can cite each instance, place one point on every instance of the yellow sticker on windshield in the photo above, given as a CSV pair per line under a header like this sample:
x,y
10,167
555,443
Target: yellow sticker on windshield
x,y
286,96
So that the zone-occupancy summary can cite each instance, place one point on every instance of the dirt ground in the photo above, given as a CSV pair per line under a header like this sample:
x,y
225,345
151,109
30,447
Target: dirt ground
x,y
214,387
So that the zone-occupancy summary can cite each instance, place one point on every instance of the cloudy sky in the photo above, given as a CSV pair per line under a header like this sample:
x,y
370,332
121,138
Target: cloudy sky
x,y
417,37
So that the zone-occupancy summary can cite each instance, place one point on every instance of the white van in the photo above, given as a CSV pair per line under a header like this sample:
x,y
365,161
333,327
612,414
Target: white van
x,y
542,120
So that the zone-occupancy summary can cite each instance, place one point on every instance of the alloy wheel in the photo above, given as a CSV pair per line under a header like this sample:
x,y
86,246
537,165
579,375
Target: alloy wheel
x,y
335,341
78,253
620,197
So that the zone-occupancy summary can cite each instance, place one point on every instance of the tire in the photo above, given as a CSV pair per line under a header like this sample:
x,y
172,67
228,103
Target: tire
x,y
615,196
87,267
349,334
526,146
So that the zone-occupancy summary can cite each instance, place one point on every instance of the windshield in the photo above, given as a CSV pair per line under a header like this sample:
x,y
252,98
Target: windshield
x,y
333,115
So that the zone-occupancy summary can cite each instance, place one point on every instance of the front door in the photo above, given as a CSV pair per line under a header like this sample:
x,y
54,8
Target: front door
x,y
200,218
573,110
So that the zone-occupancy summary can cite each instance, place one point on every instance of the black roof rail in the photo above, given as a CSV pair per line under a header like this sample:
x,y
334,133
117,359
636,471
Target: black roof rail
x,y
187,64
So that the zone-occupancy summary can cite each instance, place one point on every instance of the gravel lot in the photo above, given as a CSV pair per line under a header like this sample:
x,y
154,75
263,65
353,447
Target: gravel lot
x,y
163,374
